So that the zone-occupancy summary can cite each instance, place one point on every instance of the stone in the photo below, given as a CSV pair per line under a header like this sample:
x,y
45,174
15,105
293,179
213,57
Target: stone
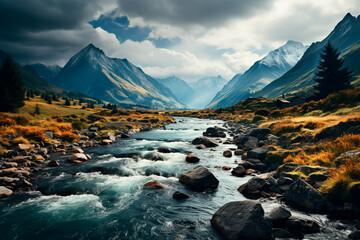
x,y
215,132
250,171
255,184
226,168
5,192
260,133
93,129
124,135
307,170
199,178
164,150
242,220
239,171
239,152
355,235
180,196
192,158
154,185
20,159
258,153
279,213
155,157
201,146
106,142
302,225
23,183
38,158
77,157
247,164
304,196
281,233
227,153
9,164
352,154
77,150
24,147
285,181
252,143
53,163
205,141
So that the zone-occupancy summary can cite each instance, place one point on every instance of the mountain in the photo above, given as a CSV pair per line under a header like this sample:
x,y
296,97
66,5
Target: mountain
x,y
183,92
345,36
32,79
264,71
114,80
46,72
205,89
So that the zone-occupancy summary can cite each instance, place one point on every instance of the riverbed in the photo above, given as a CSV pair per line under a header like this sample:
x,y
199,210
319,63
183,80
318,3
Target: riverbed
x,y
105,198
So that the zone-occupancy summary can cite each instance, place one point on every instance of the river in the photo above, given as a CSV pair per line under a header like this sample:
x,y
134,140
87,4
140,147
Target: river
x,y
105,198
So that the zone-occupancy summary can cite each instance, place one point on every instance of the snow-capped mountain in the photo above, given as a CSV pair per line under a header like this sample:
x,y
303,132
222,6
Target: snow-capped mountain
x,y
114,80
205,89
46,72
183,92
264,71
345,37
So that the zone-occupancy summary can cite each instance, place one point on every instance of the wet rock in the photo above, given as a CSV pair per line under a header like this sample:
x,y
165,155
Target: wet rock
x,y
355,235
285,181
20,159
9,165
5,192
164,150
199,178
77,150
205,141
23,183
8,180
307,170
124,135
255,184
227,153
106,142
201,146
77,157
252,143
24,147
295,224
352,154
37,158
192,158
258,153
180,196
304,196
279,213
242,220
239,152
215,132
154,185
154,157
226,168
53,163
247,165
239,171
281,233
250,171
260,166
92,135
293,176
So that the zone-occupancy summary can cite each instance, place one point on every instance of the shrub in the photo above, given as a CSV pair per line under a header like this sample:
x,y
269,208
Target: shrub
x,y
32,133
313,125
258,118
262,112
69,137
78,125
21,120
7,122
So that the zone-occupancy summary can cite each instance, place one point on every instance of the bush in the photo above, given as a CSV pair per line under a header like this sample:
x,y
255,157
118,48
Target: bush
x,y
258,118
21,120
7,122
262,112
78,125
69,137
32,133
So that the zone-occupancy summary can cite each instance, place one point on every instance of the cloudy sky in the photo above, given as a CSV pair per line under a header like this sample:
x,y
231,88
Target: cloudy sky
x,y
187,38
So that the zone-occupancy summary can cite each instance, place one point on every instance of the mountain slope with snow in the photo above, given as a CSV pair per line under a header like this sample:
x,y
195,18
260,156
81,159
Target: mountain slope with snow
x,y
183,92
264,71
114,80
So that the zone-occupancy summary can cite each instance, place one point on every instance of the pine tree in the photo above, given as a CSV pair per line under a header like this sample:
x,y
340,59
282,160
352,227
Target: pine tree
x,y
331,75
12,91
37,109
67,102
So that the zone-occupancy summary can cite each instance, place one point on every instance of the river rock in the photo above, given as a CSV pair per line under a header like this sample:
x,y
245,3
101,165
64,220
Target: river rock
x,y
77,157
226,168
279,213
355,235
199,178
227,153
239,171
205,141
285,181
154,185
281,233
164,150
255,184
258,153
77,150
260,133
106,142
180,196
192,158
242,220
53,163
296,224
239,152
201,146
5,192
304,196
215,132
24,147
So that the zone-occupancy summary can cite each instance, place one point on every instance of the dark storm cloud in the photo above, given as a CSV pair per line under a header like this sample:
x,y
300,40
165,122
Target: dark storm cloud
x,y
188,12
29,29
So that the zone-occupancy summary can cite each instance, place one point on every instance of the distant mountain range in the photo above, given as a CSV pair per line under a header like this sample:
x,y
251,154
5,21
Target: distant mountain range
x,y
114,80
195,95
263,72
46,72
345,36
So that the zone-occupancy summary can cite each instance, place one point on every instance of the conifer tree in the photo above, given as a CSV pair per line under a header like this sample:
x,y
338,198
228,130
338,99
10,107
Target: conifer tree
x,y
331,75
12,91
67,102
37,109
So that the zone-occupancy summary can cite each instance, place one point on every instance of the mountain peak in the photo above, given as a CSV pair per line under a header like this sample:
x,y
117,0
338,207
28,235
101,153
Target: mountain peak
x,y
92,47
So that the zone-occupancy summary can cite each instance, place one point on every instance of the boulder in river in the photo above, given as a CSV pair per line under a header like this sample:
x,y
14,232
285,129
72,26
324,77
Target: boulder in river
x,y
215,132
192,158
302,195
53,163
5,192
199,178
154,185
164,150
239,171
258,153
242,220
205,141
239,152
77,158
180,196
227,153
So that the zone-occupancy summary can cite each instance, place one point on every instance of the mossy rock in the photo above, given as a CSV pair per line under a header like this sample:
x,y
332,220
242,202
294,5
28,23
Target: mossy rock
x,y
317,177
354,192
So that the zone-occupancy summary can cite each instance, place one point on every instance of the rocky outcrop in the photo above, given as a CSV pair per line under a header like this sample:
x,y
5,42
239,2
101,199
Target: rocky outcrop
x,y
242,220
258,153
199,178
302,195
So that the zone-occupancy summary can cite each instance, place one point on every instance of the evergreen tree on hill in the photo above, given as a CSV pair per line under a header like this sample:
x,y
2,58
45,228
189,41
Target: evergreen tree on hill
x,y
331,76
12,91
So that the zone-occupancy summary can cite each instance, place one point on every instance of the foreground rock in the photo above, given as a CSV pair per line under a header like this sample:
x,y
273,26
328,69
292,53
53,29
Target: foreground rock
x,y
205,141
199,178
192,158
305,197
5,192
215,132
180,196
242,220
227,153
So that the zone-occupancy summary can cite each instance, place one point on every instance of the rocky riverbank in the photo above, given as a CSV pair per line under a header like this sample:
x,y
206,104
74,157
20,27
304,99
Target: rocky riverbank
x,y
296,185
